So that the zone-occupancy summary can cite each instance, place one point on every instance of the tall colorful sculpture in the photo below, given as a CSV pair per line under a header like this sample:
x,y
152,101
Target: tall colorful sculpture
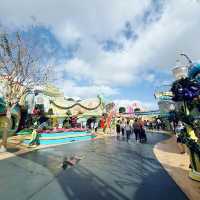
x,y
186,95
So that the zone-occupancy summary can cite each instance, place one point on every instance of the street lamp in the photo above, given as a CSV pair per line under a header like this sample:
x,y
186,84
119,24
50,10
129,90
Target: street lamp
x,y
181,71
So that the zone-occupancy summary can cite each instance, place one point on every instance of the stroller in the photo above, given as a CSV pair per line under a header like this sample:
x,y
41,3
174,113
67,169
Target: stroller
x,y
143,136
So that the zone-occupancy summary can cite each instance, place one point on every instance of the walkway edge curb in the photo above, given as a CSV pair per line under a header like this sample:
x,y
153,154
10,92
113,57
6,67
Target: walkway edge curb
x,y
177,166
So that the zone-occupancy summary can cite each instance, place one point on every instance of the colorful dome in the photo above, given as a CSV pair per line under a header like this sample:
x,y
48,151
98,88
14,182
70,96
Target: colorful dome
x,y
194,72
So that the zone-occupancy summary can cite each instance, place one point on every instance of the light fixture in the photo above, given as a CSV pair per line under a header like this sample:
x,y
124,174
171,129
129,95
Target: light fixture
x,y
180,71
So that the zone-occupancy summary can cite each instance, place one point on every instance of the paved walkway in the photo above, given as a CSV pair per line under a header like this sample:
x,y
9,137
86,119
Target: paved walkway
x,y
111,169
177,165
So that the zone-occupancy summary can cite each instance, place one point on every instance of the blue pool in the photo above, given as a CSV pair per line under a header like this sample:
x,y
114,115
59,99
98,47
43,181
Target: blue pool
x,y
63,137
43,135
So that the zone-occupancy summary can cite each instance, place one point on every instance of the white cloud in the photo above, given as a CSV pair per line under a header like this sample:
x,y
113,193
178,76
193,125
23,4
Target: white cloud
x,y
77,68
149,77
67,33
94,21
93,17
157,46
71,89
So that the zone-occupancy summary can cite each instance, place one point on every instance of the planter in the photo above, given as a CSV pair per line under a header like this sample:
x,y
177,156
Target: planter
x,y
194,157
195,166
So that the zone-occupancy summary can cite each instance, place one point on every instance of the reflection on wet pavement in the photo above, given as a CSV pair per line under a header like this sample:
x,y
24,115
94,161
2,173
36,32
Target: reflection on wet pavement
x,y
111,169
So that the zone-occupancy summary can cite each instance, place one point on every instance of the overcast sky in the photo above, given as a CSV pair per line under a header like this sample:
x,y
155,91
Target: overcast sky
x,y
122,49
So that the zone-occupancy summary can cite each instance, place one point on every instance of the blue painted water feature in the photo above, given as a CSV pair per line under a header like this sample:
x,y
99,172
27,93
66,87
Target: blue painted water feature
x,y
63,137
60,134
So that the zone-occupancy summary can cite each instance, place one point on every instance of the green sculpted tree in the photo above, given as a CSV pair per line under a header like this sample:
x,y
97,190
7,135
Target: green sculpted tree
x,y
66,122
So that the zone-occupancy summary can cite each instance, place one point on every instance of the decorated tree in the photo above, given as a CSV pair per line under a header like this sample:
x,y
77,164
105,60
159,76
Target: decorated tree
x,y
20,71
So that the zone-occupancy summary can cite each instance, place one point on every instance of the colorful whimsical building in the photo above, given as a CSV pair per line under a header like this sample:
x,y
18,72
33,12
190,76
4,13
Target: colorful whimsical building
x,y
53,104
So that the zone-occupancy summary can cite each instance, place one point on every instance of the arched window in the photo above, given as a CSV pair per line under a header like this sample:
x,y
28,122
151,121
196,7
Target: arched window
x,y
137,110
122,110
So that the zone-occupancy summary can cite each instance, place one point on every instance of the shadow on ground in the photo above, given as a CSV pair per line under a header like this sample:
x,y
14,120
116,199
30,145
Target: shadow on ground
x,y
112,170
13,149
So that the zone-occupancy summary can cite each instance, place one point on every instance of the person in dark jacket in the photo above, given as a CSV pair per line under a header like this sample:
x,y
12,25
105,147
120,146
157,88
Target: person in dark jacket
x,y
136,129
118,127
123,127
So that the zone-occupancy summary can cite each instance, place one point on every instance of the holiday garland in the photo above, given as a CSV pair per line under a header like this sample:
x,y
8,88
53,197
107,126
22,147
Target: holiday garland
x,y
78,104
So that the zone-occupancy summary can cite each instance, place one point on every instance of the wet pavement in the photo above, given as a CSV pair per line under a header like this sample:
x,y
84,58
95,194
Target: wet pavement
x,y
111,169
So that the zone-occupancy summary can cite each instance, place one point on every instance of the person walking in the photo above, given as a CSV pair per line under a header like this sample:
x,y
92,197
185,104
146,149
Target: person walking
x,y
128,130
118,129
136,130
158,124
96,125
142,134
123,127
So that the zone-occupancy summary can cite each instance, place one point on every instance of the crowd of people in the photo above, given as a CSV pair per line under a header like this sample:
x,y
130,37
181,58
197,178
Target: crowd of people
x,y
130,127
156,124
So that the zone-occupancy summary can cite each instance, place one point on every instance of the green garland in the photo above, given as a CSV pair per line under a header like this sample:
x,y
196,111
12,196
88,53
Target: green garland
x,y
78,104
